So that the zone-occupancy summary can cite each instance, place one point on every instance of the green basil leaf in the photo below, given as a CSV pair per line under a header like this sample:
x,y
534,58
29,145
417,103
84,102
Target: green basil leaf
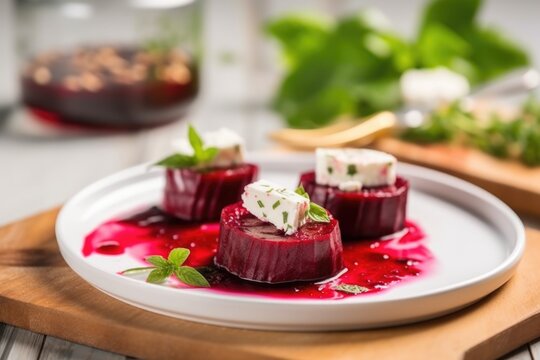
x,y
177,161
157,260
178,256
350,288
191,277
158,275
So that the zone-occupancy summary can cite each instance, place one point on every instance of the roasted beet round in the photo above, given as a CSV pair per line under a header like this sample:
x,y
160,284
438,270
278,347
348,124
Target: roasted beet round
x,y
368,213
197,195
255,250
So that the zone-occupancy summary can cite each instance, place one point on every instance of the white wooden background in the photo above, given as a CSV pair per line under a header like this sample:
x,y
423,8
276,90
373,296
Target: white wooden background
x,y
38,172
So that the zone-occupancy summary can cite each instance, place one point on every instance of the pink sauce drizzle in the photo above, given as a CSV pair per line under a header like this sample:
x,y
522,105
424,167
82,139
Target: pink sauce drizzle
x,y
374,264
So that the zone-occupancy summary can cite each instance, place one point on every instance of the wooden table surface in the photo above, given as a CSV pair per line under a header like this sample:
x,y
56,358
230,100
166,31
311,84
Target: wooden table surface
x,y
40,170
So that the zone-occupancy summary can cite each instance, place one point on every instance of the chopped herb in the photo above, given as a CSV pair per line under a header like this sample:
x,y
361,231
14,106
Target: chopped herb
x,y
276,204
285,216
202,156
163,268
264,215
514,138
350,288
351,170
269,190
330,170
261,205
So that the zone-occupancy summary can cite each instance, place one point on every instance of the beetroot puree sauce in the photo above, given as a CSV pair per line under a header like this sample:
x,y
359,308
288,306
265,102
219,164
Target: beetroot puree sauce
x,y
374,264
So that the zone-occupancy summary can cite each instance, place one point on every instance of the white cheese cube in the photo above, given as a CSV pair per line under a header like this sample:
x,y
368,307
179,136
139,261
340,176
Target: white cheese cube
x,y
350,186
354,168
432,87
273,203
230,147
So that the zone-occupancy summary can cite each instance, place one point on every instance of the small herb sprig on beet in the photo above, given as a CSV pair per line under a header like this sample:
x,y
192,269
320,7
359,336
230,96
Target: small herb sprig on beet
x,y
163,268
201,157
315,212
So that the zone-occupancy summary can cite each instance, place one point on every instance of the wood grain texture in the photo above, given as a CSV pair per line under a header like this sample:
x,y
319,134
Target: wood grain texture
x,y
50,299
512,182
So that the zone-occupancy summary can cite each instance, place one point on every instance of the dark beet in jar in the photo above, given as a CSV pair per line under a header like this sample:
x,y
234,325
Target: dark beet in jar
x,y
368,213
110,87
257,251
200,195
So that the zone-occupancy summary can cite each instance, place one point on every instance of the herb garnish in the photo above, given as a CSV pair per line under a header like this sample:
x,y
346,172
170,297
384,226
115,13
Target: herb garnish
x,y
515,138
351,170
163,268
315,212
276,204
352,66
202,155
350,288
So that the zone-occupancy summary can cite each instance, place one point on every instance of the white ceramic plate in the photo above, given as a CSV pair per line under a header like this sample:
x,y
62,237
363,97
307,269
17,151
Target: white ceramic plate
x,y
476,239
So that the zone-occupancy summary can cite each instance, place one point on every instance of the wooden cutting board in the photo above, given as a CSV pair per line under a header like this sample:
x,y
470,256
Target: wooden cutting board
x,y
39,292
514,183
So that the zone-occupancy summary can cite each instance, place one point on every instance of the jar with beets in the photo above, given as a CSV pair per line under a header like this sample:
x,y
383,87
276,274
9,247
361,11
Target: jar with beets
x,y
124,64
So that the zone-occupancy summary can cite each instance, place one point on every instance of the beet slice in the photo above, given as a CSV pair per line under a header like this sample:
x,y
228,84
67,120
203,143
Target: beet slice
x,y
255,250
368,213
201,195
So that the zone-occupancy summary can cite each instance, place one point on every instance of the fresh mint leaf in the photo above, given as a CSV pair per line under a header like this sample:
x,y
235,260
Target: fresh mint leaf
x,y
196,143
177,161
158,275
315,212
157,260
454,14
318,213
299,35
178,256
301,191
201,156
163,268
451,35
210,153
190,276
352,67
351,288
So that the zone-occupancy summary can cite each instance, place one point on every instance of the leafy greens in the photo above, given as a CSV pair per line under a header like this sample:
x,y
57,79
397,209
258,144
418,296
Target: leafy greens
x,y
352,66
516,138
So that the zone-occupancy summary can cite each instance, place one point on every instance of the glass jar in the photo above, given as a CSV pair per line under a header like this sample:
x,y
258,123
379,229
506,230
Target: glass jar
x,y
108,63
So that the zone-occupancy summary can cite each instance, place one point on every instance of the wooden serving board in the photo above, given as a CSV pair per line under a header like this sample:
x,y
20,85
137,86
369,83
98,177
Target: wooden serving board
x,y
514,183
39,292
